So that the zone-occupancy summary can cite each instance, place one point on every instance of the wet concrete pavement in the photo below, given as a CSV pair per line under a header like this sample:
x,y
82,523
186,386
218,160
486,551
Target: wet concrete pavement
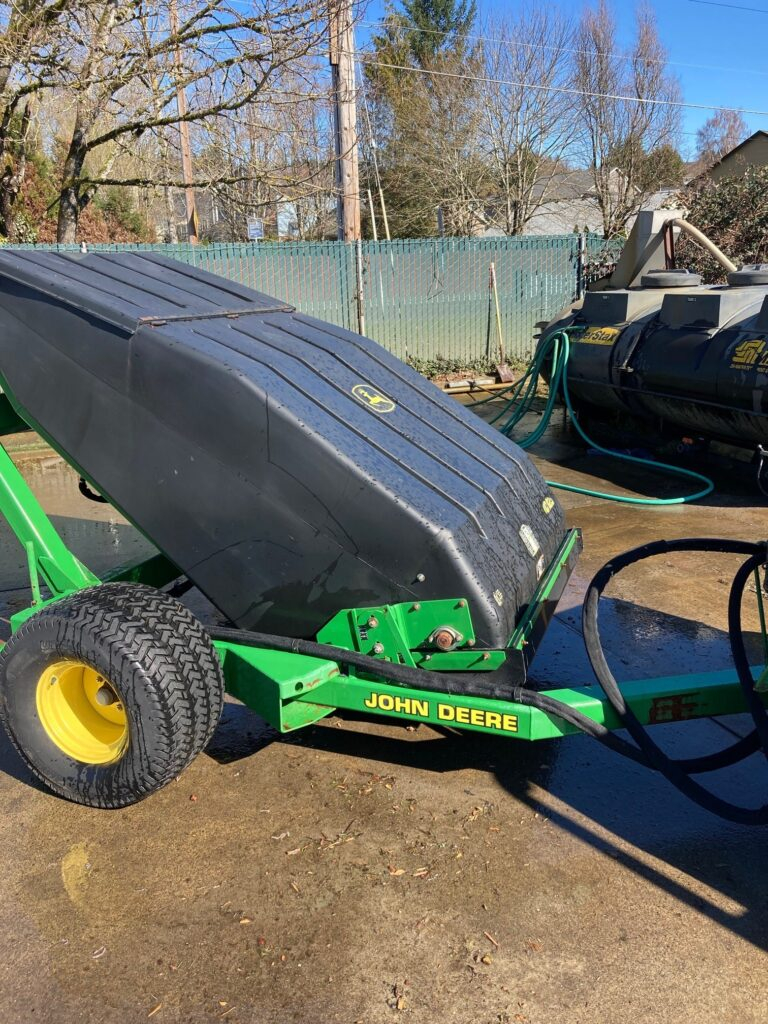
x,y
362,872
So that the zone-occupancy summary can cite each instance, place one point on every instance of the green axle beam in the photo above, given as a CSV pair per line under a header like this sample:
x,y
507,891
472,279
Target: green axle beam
x,y
291,691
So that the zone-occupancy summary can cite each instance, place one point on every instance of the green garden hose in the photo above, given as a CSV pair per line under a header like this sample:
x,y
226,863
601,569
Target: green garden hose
x,y
523,393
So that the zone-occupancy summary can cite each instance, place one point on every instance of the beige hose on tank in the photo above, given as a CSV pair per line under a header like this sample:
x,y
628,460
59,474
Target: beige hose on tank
x,y
703,241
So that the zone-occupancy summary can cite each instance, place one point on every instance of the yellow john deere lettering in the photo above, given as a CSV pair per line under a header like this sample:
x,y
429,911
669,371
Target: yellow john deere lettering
x,y
415,708
598,335
372,398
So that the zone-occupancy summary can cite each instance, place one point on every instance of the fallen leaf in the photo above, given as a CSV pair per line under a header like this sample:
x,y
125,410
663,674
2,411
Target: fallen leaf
x,y
193,798
487,959
396,871
246,920
292,853
154,1010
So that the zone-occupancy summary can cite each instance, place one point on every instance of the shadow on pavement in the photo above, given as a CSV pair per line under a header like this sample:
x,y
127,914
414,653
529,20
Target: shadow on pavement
x,y
610,804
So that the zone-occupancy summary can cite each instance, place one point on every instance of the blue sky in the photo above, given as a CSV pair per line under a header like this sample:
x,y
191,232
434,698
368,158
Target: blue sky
x,y
694,33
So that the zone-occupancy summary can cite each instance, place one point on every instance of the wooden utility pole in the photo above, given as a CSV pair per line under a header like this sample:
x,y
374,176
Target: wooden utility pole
x,y
342,56
187,170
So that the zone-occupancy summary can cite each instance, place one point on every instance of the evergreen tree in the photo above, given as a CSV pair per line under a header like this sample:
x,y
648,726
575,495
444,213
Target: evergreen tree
x,y
424,126
434,27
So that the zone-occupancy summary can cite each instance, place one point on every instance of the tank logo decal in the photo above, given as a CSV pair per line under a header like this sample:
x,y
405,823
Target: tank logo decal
x,y
598,335
547,505
749,354
372,398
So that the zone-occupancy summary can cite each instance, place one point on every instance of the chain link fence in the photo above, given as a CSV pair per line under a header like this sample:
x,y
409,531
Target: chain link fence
x,y
426,300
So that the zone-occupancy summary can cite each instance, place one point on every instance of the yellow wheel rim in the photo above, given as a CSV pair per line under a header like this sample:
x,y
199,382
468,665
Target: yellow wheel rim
x,y
82,713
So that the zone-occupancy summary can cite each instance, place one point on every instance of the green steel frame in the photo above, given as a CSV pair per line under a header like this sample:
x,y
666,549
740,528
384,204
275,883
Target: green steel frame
x,y
292,690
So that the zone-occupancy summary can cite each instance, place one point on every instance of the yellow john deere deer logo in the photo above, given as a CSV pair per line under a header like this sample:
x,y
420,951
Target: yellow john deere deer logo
x,y
372,398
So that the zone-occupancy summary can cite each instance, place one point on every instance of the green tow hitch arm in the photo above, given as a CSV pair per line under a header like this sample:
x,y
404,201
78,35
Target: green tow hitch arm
x,y
47,554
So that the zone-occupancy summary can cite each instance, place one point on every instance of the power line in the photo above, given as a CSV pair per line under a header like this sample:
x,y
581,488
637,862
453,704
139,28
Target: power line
x,y
732,7
484,80
576,50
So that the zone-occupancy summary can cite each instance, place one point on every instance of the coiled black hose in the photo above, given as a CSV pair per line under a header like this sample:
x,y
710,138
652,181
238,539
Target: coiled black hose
x,y
679,772
646,751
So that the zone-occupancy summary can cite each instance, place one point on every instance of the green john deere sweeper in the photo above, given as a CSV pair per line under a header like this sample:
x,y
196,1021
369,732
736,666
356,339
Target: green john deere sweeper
x,y
372,545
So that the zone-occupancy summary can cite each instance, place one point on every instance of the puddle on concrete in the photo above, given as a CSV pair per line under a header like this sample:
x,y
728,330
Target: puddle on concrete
x,y
99,536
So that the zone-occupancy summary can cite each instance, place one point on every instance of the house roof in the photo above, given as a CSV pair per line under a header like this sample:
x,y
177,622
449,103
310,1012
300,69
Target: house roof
x,y
565,184
736,149
732,152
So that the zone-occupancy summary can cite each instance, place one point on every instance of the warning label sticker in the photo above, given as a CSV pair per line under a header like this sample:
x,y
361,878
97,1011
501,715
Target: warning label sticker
x,y
528,537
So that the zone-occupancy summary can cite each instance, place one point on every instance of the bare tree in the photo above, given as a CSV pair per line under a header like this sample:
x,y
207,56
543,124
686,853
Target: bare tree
x,y
719,135
628,111
33,59
530,125
427,118
232,53
276,152
440,142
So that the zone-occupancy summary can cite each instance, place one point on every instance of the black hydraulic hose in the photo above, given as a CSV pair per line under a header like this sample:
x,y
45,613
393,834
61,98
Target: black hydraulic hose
x,y
736,634
692,765
462,684
479,685
472,684
678,773
646,753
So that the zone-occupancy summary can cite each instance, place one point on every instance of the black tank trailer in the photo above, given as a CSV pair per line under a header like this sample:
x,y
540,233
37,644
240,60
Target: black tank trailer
x,y
687,357
288,467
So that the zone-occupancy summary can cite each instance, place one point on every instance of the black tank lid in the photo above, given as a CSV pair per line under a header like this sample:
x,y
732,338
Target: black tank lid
x,y
749,274
681,278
